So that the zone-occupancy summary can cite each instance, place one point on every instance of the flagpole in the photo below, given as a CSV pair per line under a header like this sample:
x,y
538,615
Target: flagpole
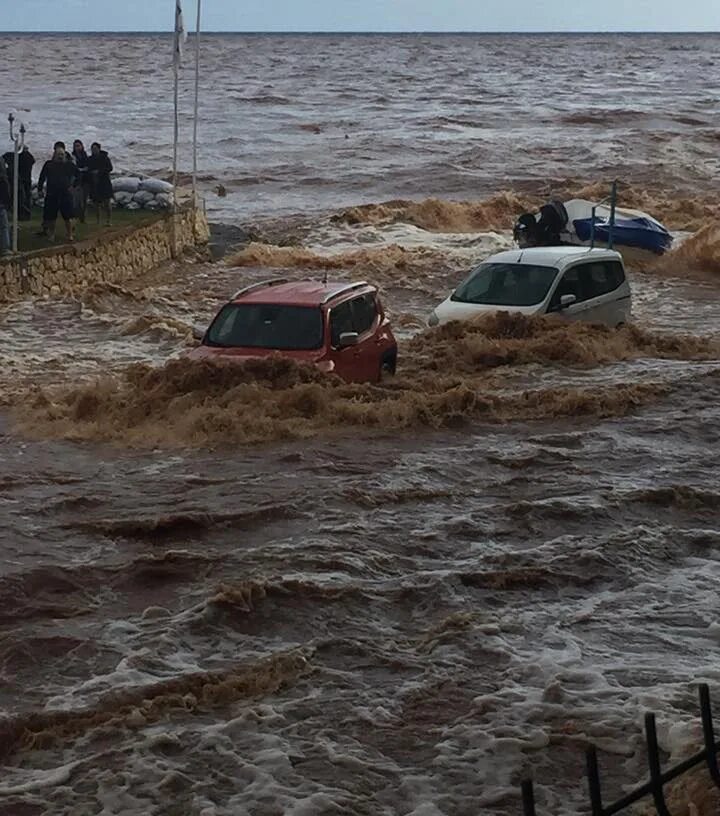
x,y
177,59
176,128
197,99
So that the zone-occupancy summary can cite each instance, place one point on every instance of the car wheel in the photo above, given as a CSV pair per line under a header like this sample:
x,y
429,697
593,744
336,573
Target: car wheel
x,y
387,367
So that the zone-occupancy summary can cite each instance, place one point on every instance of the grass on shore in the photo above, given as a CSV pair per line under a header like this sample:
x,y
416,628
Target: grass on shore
x,y
30,241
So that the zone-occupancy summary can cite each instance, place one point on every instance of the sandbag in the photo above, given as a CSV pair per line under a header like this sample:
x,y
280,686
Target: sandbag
x,y
123,198
164,200
133,205
143,197
155,186
126,184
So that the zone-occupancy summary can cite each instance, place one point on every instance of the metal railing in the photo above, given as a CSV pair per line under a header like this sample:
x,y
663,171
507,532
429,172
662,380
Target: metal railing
x,y
655,787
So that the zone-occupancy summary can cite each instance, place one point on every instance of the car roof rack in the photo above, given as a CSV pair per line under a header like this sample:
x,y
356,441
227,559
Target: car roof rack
x,y
260,285
348,288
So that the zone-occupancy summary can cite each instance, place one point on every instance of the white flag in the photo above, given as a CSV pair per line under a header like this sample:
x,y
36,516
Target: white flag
x,y
180,33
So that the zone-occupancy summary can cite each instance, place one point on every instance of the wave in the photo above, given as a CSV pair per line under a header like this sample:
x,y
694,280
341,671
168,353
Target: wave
x,y
529,577
577,565
182,524
699,255
500,211
683,497
435,215
110,297
144,705
311,127
45,592
602,116
446,378
157,327
248,596
419,269
371,499
260,99
256,414
54,592
503,338
382,259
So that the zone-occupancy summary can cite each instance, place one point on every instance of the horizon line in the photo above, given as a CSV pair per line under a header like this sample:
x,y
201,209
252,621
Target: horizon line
x,y
369,32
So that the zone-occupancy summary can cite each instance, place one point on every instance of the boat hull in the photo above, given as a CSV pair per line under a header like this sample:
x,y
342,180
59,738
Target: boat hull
x,y
632,228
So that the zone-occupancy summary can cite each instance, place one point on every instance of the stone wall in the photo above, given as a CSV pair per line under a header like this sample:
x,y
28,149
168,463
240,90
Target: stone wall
x,y
114,257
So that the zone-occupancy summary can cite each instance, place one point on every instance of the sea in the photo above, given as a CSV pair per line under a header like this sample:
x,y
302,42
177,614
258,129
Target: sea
x,y
270,593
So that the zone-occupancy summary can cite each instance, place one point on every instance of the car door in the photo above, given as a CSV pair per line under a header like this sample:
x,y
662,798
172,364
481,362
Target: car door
x,y
600,284
345,359
365,320
607,299
577,280
616,301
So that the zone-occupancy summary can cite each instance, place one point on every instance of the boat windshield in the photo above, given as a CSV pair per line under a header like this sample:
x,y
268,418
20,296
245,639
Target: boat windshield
x,y
506,284
269,326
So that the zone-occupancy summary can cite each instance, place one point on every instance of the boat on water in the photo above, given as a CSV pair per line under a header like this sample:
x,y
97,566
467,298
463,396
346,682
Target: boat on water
x,y
579,222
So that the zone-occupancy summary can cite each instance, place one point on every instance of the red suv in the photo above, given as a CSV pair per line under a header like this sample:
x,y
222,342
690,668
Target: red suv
x,y
339,327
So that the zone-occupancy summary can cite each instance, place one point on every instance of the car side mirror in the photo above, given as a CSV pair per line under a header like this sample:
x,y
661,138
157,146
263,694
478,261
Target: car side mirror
x,y
567,300
198,333
348,339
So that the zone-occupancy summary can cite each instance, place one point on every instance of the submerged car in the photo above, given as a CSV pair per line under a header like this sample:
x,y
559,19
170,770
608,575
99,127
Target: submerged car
x,y
339,327
579,284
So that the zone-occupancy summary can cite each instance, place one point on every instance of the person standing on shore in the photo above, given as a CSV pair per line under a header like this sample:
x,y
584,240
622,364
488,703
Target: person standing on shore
x,y
26,160
81,189
101,191
60,174
5,204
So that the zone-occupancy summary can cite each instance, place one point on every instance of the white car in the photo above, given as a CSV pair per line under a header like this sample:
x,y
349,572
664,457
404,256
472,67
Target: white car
x,y
581,284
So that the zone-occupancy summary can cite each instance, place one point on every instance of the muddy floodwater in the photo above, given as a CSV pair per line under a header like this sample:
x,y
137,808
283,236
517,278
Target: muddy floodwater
x,y
272,593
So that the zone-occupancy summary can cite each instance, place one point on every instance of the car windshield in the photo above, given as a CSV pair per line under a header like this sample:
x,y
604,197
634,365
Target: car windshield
x,y
506,284
269,326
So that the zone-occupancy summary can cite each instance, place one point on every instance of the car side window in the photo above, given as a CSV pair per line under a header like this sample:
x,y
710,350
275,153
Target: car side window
x,y
570,284
616,273
605,277
598,282
364,311
341,321
587,281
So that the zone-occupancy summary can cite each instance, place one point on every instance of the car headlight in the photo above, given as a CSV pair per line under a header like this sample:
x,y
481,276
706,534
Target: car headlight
x,y
433,320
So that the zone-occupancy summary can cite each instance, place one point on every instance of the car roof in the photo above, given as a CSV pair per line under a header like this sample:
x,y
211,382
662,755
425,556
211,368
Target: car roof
x,y
559,256
299,292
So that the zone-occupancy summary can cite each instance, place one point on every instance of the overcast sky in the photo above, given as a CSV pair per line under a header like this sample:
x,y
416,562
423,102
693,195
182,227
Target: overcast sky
x,y
367,15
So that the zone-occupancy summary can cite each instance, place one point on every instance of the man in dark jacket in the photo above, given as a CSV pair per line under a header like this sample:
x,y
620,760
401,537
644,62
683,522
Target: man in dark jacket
x,y
60,174
101,191
5,202
25,165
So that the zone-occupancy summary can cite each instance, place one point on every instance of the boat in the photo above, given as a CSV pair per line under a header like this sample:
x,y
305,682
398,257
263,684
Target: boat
x,y
579,222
